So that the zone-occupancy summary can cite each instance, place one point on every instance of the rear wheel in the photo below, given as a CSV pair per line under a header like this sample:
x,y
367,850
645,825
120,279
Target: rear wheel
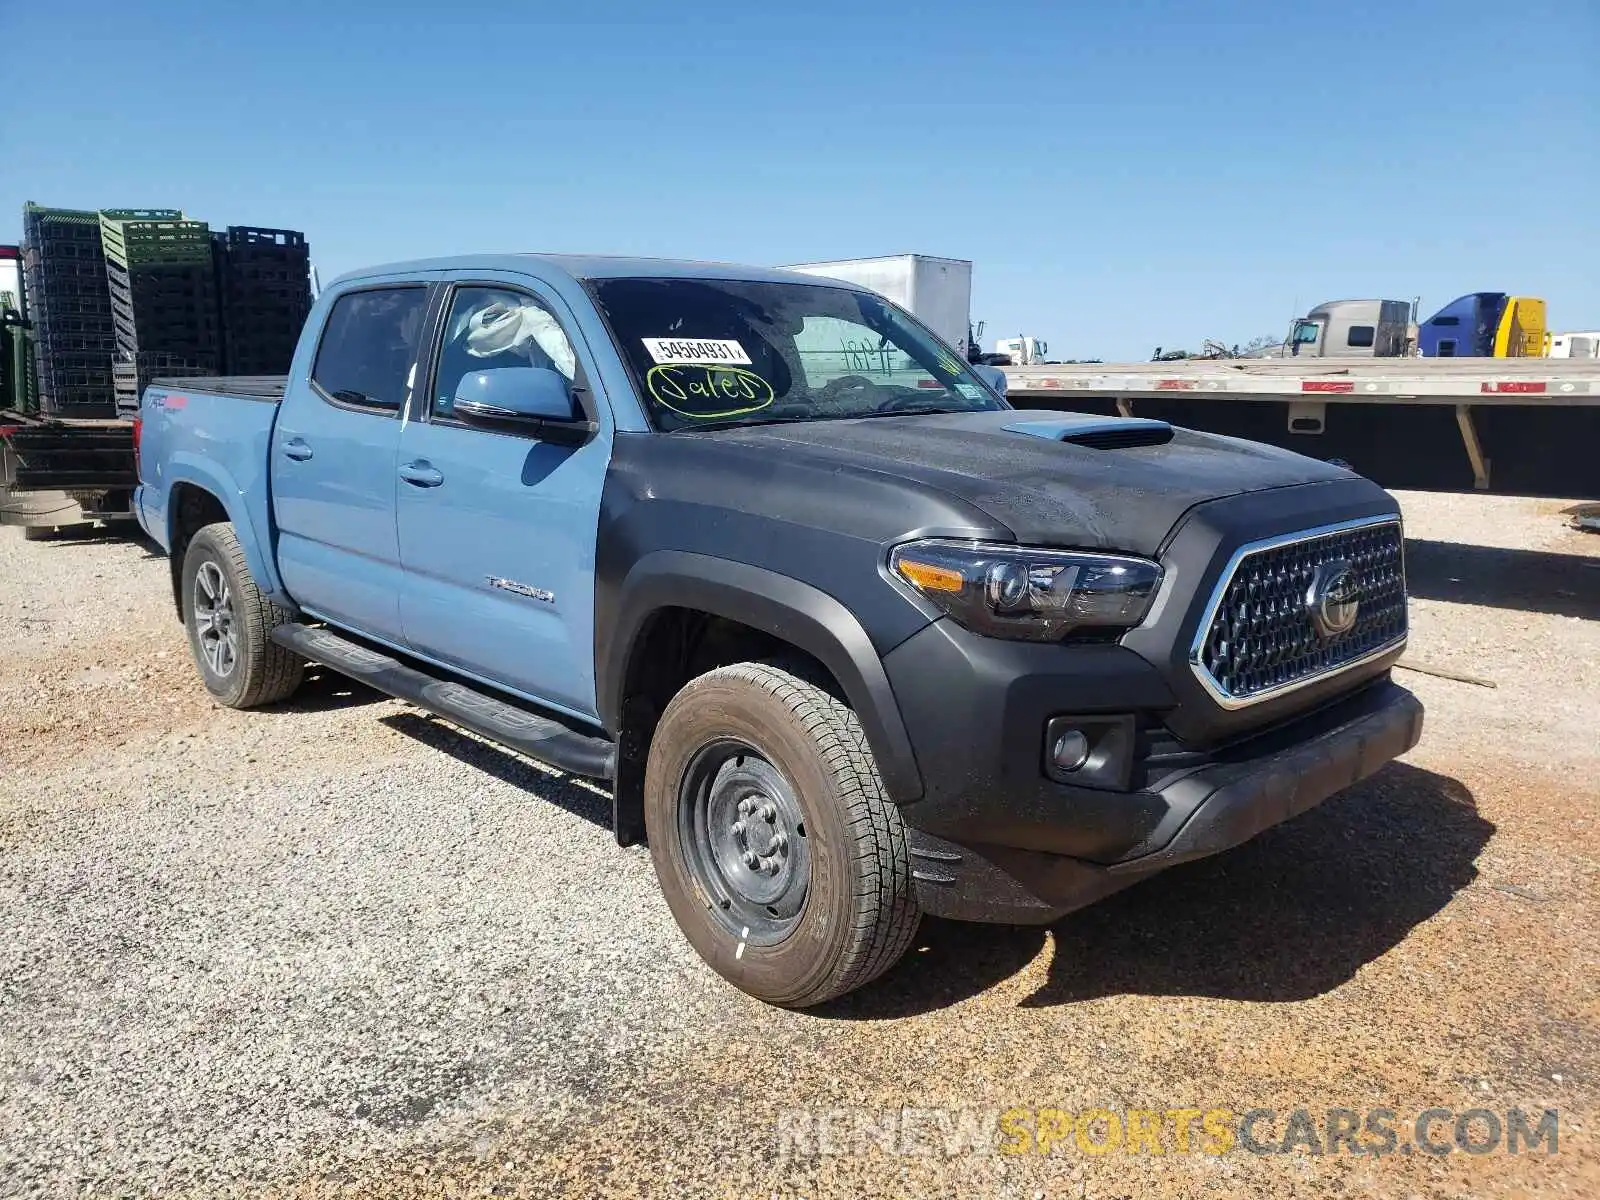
x,y
230,624
782,858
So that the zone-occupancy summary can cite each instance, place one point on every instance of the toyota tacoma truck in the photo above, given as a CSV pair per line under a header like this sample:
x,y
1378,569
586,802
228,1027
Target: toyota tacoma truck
x,y
850,639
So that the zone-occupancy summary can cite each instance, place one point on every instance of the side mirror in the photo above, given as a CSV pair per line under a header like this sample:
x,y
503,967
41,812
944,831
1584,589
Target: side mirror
x,y
538,400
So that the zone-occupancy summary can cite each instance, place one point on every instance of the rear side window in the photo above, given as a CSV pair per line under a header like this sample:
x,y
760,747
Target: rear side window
x,y
1360,335
369,347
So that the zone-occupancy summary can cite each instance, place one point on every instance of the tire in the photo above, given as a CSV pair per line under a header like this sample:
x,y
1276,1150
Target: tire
x,y
783,745
38,533
230,623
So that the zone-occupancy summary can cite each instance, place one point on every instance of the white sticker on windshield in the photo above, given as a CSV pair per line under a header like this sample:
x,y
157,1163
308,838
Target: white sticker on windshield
x,y
695,351
970,390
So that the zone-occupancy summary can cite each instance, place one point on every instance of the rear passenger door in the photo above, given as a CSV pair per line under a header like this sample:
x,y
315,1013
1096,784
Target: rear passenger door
x,y
333,460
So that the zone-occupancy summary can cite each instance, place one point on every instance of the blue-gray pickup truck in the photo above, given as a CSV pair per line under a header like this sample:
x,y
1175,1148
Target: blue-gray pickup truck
x,y
850,639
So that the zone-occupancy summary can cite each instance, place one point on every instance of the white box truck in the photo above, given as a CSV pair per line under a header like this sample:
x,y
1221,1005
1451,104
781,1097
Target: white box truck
x,y
938,291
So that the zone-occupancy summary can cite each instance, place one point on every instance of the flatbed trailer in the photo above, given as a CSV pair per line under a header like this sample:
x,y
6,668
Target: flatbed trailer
x,y
56,472
1529,425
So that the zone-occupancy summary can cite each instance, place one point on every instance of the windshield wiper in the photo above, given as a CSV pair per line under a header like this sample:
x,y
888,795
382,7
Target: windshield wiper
x,y
737,423
920,410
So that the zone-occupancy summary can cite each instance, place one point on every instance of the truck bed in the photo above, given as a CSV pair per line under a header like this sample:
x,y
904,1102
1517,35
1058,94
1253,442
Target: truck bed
x,y
256,387
212,432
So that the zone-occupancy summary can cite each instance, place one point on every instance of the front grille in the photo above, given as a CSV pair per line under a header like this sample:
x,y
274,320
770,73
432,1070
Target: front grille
x,y
1259,637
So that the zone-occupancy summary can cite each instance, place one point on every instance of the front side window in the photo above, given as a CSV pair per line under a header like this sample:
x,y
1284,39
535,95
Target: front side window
x,y
1306,332
369,347
1361,335
707,352
490,327
1447,347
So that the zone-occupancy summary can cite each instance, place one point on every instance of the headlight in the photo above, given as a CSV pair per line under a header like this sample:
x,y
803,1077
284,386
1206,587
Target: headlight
x,y
1025,593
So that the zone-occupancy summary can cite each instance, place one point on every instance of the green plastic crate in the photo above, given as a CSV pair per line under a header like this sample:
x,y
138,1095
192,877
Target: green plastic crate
x,y
77,216
134,237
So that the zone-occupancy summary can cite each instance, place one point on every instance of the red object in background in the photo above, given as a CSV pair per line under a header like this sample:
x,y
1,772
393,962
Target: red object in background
x,y
10,252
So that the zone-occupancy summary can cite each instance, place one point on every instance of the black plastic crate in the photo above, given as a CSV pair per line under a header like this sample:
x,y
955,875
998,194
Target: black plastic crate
x,y
69,298
130,376
161,308
259,237
261,358
264,292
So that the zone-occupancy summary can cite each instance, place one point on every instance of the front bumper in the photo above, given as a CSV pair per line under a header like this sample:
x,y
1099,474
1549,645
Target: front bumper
x,y
995,840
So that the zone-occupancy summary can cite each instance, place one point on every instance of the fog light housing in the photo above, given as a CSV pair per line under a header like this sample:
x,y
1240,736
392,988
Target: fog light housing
x,y
1070,750
1091,751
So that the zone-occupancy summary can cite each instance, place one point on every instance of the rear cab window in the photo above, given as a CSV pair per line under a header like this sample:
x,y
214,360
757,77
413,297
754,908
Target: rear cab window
x,y
367,355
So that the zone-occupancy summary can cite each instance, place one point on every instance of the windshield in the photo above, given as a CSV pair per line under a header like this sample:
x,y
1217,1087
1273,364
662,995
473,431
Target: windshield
x,y
713,352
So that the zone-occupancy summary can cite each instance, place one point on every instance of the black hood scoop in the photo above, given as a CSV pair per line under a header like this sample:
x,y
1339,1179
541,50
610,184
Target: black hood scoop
x,y
1099,433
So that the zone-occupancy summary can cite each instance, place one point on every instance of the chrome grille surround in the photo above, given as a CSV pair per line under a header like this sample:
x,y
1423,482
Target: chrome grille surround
x,y
1257,640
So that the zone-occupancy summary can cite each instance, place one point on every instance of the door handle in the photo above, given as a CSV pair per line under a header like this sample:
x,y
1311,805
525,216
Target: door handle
x,y
421,473
298,449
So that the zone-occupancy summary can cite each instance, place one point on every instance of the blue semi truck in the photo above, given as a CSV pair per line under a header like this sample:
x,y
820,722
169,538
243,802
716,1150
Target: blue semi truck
x,y
1485,325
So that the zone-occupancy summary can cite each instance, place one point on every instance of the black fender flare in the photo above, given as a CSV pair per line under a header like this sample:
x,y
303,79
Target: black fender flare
x,y
784,607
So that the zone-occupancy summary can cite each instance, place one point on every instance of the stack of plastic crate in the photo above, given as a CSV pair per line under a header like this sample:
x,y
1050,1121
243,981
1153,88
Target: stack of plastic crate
x,y
70,307
264,280
163,287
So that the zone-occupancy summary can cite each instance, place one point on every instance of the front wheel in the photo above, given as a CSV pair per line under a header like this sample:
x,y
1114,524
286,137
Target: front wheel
x,y
780,855
230,623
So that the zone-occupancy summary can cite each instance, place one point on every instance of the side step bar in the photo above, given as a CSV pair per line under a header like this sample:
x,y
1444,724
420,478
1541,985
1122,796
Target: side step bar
x,y
516,728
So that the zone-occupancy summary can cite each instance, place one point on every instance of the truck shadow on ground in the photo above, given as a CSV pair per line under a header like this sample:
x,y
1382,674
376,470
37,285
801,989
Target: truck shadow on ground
x,y
560,790
1567,585
116,533
1285,917
328,691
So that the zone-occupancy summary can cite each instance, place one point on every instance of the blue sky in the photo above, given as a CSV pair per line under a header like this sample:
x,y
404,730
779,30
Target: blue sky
x,y
1122,173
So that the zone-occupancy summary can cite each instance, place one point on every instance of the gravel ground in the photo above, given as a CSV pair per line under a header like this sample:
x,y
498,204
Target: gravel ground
x,y
336,948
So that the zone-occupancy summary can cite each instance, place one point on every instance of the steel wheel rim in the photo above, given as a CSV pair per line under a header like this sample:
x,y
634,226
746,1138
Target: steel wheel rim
x,y
745,841
215,628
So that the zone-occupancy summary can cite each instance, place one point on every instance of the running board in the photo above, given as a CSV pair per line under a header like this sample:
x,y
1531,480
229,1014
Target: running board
x,y
518,729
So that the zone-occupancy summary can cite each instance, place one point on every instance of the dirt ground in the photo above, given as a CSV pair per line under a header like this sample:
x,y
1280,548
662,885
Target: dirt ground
x,y
335,948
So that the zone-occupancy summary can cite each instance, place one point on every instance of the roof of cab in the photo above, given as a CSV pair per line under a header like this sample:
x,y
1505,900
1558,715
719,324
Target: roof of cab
x,y
590,266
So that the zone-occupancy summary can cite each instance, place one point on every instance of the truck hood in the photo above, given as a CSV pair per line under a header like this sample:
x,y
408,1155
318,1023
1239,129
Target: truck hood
x,y
1111,493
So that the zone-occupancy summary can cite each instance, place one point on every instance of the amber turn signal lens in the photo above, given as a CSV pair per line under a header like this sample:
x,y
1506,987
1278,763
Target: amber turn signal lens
x,y
930,578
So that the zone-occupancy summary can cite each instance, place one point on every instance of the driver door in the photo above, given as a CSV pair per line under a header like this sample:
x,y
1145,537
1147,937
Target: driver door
x,y
497,529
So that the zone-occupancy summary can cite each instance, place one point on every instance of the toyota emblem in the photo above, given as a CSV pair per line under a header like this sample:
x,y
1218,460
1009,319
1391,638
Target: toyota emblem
x,y
1332,600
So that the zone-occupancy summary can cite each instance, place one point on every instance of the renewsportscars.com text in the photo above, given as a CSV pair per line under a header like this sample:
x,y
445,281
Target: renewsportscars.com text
x,y
949,1132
